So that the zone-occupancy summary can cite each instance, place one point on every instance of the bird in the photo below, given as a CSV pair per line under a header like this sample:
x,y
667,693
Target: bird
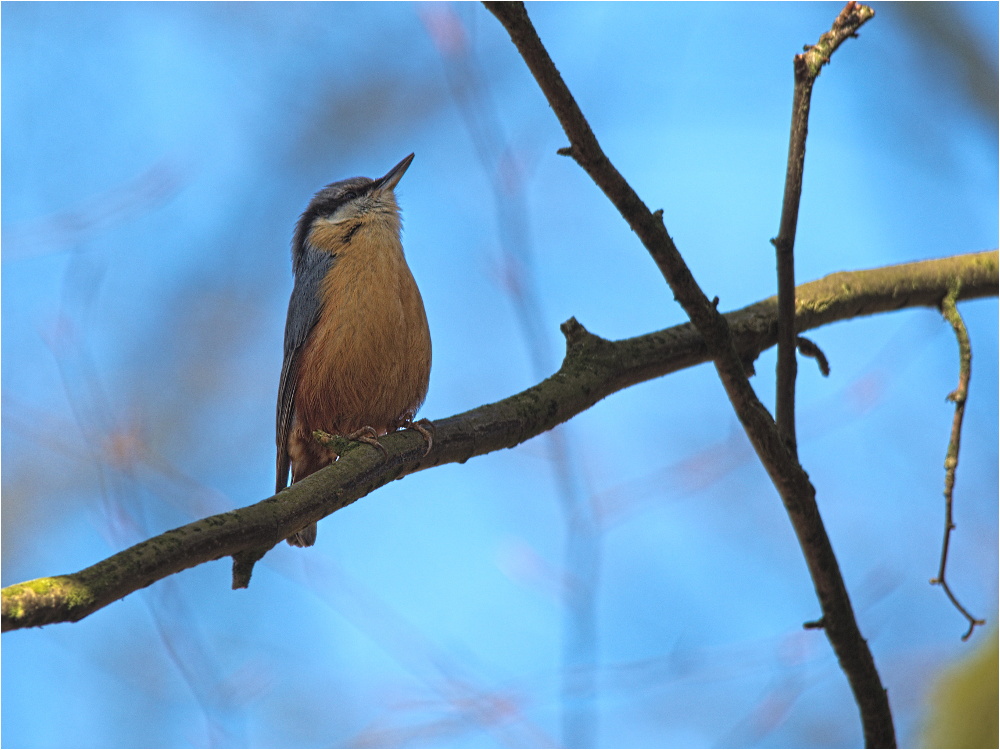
x,y
357,353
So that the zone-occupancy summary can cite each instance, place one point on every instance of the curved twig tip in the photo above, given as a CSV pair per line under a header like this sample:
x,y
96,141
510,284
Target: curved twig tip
x,y
808,348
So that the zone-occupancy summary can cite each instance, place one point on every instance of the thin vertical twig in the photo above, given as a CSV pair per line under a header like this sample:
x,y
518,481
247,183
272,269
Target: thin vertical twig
x,y
784,245
950,312
807,68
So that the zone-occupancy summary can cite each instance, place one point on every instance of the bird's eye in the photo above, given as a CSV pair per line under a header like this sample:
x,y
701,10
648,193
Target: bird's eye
x,y
350,195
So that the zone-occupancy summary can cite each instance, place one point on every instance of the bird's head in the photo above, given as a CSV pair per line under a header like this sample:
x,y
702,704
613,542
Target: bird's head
x,y
342,210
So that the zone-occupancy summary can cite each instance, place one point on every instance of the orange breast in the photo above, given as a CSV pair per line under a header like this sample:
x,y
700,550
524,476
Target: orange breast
x,y
367,361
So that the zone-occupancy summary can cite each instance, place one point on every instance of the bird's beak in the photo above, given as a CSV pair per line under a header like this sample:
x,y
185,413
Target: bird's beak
x,y
392,179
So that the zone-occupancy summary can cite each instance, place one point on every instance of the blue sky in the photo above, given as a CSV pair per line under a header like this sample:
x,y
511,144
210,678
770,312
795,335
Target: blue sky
x,y
155,159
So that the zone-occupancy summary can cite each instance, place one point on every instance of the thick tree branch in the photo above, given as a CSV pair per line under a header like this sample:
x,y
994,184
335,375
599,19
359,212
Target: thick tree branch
x,y
593,368
787,475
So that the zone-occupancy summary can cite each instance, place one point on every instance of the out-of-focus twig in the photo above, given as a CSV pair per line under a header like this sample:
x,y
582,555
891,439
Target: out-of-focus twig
x,y
582,551
68,228
458,691
119,457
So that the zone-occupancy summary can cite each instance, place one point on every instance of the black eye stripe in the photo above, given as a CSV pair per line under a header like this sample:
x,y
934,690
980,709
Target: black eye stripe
x,y
335,195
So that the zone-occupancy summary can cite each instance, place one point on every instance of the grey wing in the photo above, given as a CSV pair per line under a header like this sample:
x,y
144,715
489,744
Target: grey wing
x,y
303,311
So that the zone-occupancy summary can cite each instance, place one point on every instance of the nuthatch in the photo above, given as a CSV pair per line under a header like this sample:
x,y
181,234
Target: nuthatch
x,y
357,347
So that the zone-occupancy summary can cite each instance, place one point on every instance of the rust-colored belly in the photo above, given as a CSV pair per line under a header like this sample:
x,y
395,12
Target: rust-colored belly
x,y
367,361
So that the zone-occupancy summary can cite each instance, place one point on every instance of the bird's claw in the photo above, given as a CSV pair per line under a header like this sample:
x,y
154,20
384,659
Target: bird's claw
x,y
419,427
369,436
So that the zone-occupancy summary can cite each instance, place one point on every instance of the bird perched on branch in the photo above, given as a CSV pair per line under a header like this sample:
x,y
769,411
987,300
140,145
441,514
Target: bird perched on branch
x,y
357,347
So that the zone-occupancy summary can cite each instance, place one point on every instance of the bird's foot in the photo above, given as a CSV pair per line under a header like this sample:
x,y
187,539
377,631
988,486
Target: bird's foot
x,y
408,423
369,436
341,444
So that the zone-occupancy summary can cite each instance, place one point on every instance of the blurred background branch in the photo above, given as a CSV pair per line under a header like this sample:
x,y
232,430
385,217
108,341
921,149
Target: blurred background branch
x,y
507,169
